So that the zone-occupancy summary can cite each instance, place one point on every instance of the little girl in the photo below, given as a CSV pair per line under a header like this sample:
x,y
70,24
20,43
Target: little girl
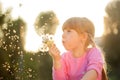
x,y
83,60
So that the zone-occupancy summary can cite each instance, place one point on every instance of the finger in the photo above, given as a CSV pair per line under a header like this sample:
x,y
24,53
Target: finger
x,y
50,43
54,51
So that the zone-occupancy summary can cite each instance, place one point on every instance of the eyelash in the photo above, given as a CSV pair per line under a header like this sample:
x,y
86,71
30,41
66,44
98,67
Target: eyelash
x,y
68,30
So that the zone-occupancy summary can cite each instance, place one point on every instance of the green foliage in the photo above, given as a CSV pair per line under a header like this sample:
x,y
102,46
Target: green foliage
x,y
112,53
16,63
37,66
11,48
1,19
46,23
5,17
113,10
111,39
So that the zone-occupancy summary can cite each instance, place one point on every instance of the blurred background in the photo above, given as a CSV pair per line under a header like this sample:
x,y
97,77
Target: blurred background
x,y
23,22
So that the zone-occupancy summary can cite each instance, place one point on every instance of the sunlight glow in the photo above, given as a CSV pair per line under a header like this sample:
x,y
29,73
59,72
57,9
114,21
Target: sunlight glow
x,y
29,10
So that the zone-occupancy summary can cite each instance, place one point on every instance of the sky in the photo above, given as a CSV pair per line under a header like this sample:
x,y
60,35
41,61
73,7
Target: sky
x,y
64,9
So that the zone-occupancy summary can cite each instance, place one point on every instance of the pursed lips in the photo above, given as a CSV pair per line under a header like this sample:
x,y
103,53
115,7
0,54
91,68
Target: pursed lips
x,y
63,41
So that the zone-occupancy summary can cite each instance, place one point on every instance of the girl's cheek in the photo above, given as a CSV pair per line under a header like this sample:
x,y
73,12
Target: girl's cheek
x,y
63,35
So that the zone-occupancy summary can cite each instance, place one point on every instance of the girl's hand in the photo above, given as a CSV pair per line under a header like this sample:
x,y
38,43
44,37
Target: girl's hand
x,y
54,52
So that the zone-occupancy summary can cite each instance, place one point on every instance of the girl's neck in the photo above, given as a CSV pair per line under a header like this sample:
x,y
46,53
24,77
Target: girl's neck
x,y
78,52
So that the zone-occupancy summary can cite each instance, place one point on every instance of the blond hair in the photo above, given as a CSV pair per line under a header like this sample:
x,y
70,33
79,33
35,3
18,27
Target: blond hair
x,y
81,24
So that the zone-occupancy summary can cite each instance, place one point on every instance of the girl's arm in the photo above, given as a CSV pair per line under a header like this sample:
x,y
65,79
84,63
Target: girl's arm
x,y
94,65
55,54
90,75
58,68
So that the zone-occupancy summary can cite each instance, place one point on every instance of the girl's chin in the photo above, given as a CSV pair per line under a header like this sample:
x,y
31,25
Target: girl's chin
x,y
67,49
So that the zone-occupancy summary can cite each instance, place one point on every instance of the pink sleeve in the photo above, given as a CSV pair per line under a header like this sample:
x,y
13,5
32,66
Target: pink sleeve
x,y
59,74
95,61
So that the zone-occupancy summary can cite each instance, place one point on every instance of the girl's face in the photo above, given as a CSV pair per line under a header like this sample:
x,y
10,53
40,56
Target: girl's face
x,y
70,39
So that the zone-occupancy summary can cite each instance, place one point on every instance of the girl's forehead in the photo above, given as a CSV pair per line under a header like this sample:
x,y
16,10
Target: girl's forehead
x,y
67,28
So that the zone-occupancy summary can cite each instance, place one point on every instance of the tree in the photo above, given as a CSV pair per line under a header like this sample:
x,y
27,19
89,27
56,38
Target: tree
x,y
46,23
111,38
11,49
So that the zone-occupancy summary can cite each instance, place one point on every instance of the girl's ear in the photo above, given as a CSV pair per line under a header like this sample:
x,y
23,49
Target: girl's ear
x,y
84,36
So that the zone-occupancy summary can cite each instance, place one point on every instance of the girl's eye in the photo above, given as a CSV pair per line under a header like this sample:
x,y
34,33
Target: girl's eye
x,y
68,30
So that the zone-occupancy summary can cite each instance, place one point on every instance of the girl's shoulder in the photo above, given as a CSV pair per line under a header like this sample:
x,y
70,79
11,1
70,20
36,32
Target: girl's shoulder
x,y
94,52
94,49
95,55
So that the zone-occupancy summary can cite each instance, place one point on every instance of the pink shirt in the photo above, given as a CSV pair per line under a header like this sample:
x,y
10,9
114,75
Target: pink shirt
x,y
74,68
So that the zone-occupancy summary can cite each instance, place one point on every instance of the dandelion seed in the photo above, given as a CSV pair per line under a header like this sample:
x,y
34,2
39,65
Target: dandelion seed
x,y
30,75
41,16
10,55
14,31
18,47
29,69
31,59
